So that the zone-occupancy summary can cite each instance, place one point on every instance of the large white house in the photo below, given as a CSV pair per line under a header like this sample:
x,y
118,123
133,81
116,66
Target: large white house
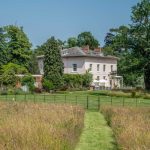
x,y
78,60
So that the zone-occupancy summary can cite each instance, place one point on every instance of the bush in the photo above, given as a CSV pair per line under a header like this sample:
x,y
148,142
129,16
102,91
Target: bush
x,y
18,91
38,90
77,81
47,85
4,92
28,80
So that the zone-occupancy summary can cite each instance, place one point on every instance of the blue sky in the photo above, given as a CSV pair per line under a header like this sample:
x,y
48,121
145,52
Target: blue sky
x,y
42,19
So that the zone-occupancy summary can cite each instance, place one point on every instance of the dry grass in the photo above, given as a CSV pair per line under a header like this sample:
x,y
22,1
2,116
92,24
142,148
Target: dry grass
x,y
131,126
39,126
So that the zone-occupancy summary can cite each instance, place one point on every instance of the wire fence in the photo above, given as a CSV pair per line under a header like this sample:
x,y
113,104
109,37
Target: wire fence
x,y
87,101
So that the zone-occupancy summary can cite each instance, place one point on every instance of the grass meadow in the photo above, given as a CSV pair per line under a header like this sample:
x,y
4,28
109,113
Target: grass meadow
x,y
39,126
131,126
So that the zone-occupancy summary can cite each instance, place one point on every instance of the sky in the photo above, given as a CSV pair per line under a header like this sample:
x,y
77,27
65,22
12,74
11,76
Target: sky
x,y
42,19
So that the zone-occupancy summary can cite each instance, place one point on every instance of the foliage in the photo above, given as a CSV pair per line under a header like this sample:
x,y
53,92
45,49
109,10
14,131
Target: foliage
x,y
14,45
87,79
8,74
72,42
77,80
47,85
86,38
4,56
28,80
53,65
131,44
33,64
140,37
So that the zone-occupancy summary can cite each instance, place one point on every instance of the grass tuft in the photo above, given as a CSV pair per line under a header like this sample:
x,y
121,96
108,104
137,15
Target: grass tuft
x,y
39,126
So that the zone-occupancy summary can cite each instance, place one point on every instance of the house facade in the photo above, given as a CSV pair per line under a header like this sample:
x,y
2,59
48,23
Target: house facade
x,y
78,60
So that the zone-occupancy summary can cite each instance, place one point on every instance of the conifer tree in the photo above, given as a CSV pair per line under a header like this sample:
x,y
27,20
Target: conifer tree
x,y
53,65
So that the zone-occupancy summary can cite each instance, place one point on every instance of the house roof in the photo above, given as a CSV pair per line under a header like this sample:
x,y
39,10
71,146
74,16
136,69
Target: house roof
x,y
78,52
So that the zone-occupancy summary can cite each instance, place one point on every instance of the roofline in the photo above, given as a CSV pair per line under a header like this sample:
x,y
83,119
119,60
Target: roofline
x,y
65,56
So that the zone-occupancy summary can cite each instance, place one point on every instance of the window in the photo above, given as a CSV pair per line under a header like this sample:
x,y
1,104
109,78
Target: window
x,y
74,67
98,66
104,77
104,68
111,68
90,68
98,78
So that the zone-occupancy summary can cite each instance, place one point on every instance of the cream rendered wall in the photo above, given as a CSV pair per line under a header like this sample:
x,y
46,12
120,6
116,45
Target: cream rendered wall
x,y
68,65
101,61
83,64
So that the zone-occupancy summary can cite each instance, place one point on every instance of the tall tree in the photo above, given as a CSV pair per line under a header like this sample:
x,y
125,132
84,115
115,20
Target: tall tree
x,y
140,37
72,42
18,45
86,38
53,65
4,56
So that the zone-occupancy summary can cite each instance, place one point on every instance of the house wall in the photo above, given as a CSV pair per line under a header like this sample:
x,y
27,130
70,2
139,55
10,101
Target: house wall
x,y
83,64
101,62
68,65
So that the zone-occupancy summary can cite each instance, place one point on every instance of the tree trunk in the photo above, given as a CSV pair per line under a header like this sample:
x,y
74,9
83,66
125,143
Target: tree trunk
x,y
147,77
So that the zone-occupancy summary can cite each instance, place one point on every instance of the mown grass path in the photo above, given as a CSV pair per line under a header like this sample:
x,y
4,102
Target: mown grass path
x,y
96,134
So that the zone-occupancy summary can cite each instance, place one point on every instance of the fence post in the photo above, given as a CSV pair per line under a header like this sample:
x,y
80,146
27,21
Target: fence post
x,y
123,101
87,102
44,97
76,100
136,102
111,101
34,97
15,97
65,98
25,97
6,97
54,98
98,102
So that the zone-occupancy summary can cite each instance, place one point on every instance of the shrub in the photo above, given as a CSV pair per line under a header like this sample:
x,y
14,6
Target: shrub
x,y
77,81
47,85
18,91
28,80
38,90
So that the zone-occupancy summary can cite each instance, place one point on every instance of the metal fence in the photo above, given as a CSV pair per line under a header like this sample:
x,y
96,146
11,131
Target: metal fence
x,y
88,102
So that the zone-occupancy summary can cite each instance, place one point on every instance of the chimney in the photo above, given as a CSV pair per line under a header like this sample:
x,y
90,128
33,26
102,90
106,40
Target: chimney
x,y
98,50
85,48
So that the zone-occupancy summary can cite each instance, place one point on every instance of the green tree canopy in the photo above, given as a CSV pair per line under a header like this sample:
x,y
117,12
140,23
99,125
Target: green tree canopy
x,y
72,42
86,38
8,74
53,65
132,44
14,46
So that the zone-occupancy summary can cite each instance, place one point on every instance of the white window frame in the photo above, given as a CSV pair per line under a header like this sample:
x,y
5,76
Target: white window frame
x,y
74,67
111,68
104,68
90,67
98,67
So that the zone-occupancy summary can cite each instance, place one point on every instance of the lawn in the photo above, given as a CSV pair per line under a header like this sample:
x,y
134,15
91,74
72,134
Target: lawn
x,y
96,134
39,126
90,100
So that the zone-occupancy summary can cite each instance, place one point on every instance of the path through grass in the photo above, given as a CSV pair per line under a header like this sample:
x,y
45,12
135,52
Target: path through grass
x,y
96,134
